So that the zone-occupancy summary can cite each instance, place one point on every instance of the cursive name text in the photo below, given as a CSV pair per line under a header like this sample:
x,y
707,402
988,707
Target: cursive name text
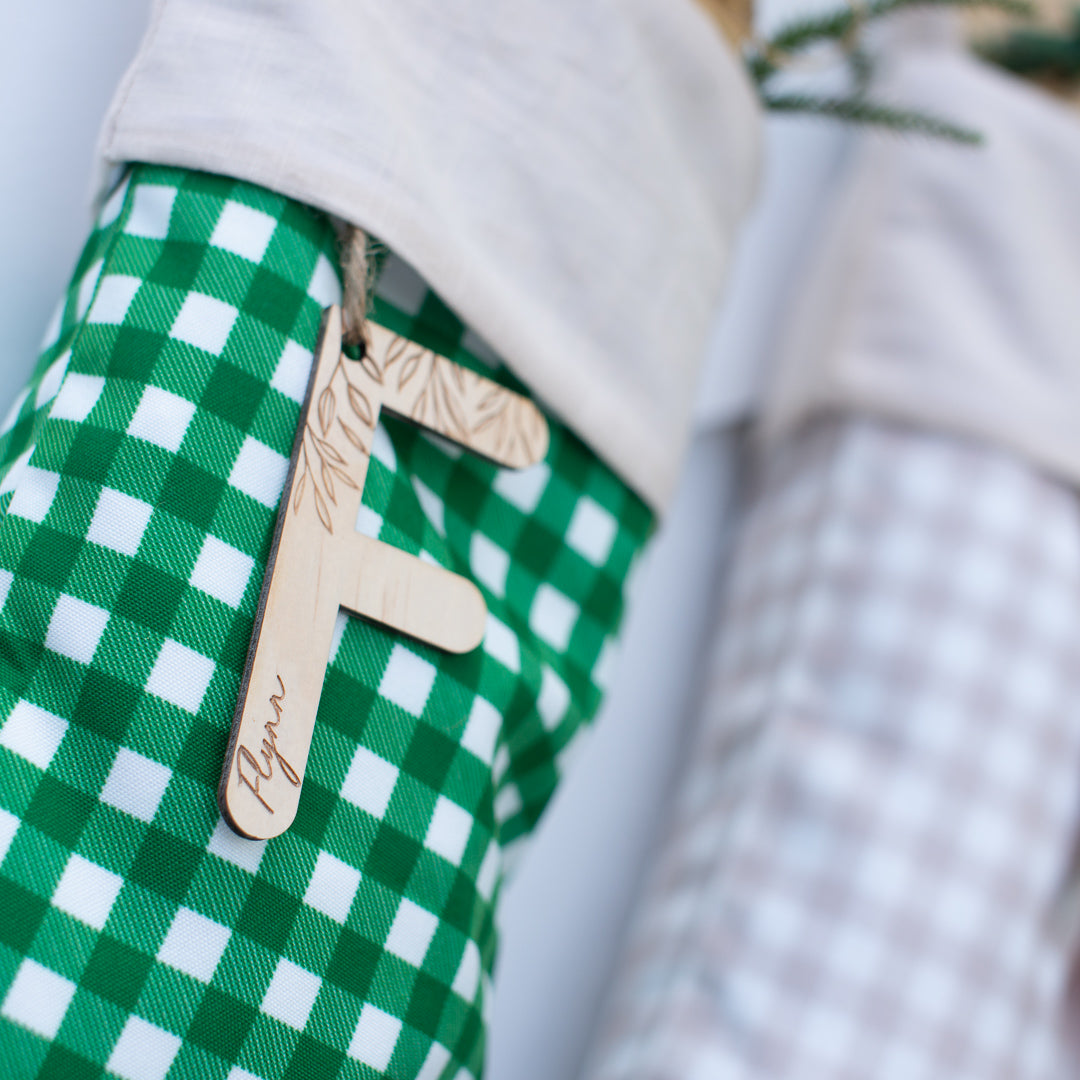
x,y
256,772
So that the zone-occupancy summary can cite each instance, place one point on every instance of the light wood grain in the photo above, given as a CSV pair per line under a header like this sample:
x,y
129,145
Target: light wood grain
x,y
734,17
319,564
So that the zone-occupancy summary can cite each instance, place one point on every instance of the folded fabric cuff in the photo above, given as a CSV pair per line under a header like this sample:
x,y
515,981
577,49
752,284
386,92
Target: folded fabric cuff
x,y
945,291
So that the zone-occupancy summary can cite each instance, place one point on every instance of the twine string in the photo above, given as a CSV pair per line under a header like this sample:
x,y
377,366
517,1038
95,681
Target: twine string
x,y
358,274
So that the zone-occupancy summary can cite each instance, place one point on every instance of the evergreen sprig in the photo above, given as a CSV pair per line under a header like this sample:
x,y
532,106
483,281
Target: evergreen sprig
x,y
862,111
1039,54
769,57
839,26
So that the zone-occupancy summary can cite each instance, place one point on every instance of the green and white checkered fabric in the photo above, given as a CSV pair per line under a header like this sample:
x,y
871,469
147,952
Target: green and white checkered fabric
x,y
139,937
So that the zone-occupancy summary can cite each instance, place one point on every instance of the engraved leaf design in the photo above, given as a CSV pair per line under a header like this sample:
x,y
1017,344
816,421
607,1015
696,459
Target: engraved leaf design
x,y
533,432
361,406
369,367
409,370
454,411
333,469
322,510
352,436
500,431
329,450
328,482
396,351
509,426
343,475
484,422
326,409
523,431
298,495
435,402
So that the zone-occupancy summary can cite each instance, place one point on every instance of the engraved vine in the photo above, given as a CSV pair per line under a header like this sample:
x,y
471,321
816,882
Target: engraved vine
x,y
317,452
430,390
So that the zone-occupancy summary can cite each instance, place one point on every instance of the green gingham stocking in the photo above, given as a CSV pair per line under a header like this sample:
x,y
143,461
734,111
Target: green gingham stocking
x,y
141,470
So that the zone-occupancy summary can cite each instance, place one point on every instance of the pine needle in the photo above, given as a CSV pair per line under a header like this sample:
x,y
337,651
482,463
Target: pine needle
x,y
769,57
802,33
1043,54
861,111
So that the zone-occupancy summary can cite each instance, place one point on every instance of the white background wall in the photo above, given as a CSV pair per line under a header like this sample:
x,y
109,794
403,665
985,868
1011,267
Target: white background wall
x,y
59,63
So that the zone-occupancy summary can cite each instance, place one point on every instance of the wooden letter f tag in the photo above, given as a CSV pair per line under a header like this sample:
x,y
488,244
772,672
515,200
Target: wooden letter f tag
x,y
319,563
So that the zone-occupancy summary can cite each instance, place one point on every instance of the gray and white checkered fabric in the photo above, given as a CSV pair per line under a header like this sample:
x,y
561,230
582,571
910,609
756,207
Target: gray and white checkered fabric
x,y
867,857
